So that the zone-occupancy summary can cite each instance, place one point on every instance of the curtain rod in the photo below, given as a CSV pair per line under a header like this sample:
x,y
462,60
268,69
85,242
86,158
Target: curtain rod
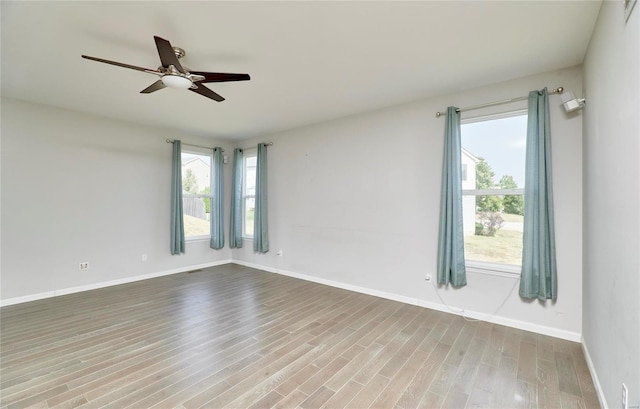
x,y
504,101
197,146
261,143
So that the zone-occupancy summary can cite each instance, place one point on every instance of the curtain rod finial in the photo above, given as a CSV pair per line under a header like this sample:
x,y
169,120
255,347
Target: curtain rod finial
x,y
438,114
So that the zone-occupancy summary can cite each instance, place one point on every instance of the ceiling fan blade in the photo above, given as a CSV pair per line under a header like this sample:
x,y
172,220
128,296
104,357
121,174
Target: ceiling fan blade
x,y
220,76
158,85
202,90
167,55
119,64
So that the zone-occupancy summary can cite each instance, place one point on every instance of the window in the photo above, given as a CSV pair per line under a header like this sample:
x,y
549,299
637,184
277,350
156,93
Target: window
x,y
249,193
493,168
196,194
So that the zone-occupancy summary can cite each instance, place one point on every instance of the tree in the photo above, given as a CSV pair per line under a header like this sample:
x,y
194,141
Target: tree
x,y
508,182
189,182
207,200
513,204
484,180
484,175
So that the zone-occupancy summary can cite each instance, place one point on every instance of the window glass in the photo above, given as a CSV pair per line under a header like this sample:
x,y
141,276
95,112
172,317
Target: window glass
x,y
493,162
196,194
249,194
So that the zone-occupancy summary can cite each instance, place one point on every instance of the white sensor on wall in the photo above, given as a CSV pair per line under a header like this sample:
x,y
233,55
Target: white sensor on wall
x,y
570,102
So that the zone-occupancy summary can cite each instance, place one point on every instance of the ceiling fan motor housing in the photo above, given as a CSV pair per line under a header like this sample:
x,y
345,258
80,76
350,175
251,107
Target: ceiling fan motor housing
x,y
179,52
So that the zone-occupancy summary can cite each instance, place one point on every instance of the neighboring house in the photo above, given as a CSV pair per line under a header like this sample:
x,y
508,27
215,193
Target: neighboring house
x,y
200,169
469,162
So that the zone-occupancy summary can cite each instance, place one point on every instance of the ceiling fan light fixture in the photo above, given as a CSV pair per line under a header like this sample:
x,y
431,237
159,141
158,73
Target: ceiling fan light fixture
x,y
175,75
176,81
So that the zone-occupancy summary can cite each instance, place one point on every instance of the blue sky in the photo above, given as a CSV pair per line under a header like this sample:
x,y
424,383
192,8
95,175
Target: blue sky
x,y
501,142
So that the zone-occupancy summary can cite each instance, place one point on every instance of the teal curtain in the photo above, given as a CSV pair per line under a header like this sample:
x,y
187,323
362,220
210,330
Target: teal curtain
x,y
260,224
235,225
177,223
451,268
217,223
539,276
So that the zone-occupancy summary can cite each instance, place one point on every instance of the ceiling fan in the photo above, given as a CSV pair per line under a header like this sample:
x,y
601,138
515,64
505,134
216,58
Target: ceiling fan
x,y
175,75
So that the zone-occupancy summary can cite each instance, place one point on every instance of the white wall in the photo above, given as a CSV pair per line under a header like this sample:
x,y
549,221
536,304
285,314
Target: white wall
x,y
611,298
81,188
355,202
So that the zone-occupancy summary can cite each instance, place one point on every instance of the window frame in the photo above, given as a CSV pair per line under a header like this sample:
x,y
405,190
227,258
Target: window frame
x,y
248,153
200,152
485,267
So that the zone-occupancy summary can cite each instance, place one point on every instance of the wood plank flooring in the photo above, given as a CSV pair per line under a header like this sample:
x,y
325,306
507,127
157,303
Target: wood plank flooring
x,y
236,337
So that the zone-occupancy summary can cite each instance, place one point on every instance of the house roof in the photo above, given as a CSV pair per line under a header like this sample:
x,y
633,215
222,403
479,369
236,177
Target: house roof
x,y
470,155
309,61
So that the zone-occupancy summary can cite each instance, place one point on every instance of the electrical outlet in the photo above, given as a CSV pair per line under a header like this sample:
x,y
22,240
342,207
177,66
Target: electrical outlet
x,y
279,253
427,278
625,397
84,265
144,257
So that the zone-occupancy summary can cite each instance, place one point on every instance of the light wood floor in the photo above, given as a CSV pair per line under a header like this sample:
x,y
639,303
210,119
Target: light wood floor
x,y
235,337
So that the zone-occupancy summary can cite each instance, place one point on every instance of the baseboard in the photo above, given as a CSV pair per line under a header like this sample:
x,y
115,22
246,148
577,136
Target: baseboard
x,y
526,326
594,375
540,329
94,286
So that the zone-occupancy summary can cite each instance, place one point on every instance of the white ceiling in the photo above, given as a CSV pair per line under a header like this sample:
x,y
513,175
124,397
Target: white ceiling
x,y
308,61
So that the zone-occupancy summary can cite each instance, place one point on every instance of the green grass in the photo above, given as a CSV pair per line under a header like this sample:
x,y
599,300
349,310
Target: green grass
x,y
195,227
250,214
512,217
504,248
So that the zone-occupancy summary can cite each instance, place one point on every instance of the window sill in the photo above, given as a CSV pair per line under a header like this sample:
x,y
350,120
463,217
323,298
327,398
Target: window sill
x,y
197,239
500,270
